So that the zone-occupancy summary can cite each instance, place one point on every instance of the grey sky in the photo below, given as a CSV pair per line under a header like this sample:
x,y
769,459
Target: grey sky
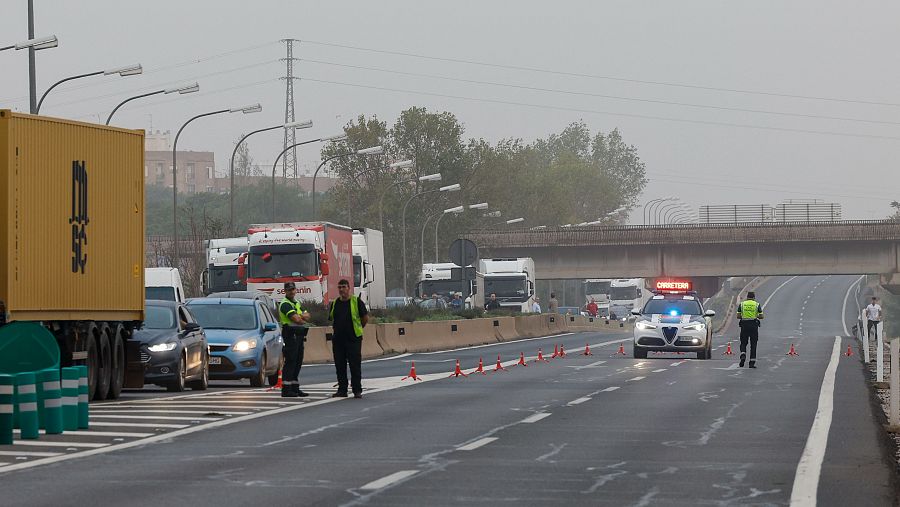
x,y
842,50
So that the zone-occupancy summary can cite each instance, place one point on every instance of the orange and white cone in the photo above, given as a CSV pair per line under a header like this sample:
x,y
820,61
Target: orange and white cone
x,y
412,373
792,351
621,351
279,384
458,372
499,366
540,357
480,368
555,351
562,351
521,360
849,351
587,350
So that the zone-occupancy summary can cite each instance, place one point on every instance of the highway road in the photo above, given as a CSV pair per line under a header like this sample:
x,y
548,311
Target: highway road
x,y
592,430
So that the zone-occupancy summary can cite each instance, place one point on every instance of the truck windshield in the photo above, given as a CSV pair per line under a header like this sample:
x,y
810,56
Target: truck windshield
x,y
357,271
507,288
240,317
673,307
160,293
224,278
283,261
159,317
619,293
592,288
441,287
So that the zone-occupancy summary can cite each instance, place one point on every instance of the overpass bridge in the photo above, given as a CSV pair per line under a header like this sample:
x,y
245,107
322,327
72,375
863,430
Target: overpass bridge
x,y
737,249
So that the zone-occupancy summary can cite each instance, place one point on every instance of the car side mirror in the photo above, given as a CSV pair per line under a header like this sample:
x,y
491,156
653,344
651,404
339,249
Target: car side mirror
x,y
270,326
710,313
190,327
635,312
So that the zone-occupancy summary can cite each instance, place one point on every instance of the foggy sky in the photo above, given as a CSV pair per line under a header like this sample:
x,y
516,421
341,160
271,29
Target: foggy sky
x,y
838,50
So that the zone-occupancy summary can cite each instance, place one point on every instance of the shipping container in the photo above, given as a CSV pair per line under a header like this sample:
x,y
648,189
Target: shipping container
x,y
72,237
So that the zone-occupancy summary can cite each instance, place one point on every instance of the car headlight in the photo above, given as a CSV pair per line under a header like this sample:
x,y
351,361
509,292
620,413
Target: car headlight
x,y
243,345
697,326
162,347
644,325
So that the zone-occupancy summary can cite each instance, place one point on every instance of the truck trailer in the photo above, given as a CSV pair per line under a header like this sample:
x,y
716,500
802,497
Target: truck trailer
x,y
368,267
72,241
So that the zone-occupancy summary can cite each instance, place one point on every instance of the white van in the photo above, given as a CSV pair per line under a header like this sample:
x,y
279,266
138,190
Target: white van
x,y
163,284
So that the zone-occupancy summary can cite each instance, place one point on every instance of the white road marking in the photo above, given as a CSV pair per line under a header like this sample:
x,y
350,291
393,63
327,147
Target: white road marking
x,y
609,389
44,443
635,379
806,480
844,306
383,358
766,304
659,370
676,364
481,442
158,408
126,411
91,433
592,365
390,479
579,401
533,418
139,425
498,343
29,453
164,417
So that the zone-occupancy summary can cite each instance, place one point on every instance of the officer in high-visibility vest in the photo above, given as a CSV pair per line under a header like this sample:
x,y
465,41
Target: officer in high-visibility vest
x,y
349,316
292,317
750,313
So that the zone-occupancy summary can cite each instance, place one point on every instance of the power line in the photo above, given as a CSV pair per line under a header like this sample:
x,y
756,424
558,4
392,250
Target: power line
x,y
608,78
607,113
599,95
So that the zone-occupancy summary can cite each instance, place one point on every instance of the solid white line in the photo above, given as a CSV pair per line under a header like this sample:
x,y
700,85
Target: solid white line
x,y
44,443
124,411
609,389
659,370
635,379
153,417
494,344
164,408
471,446
89,433
676,364
533,418
140,425
806,480
390,479
29,453
384,358
579,401
766,304
844,307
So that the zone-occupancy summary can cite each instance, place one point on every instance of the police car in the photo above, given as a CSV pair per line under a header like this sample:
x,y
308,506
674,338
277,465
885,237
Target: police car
x,y
673,320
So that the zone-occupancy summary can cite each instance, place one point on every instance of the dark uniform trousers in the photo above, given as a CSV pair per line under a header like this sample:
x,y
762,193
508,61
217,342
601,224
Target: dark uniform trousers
x,y
348,350
293,336
749,333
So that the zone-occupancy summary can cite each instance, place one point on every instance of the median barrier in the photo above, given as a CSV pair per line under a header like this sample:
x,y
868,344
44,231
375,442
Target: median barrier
x,y
317,349
370,346
504,328
556,323
427,336
392,336
474,332
529,326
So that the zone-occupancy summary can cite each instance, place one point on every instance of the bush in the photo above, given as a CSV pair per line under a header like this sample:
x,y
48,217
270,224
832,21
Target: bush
x,y
318,313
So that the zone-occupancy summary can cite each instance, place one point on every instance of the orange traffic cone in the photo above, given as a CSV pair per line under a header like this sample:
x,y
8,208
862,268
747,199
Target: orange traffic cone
x,y
621,350
562,351
587,350
540,357
555,351
499,366
849,351
412,373
728,351
792,352
480,368
458,372
278,385
521,360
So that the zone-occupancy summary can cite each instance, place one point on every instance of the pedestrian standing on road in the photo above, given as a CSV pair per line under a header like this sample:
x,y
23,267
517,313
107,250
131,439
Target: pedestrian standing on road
x,y
293,332
492,303
592,308
536,305
750,313
349,316
873,315
554,303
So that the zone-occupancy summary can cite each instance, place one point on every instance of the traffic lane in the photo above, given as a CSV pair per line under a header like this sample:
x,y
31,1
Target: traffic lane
x,y
323,451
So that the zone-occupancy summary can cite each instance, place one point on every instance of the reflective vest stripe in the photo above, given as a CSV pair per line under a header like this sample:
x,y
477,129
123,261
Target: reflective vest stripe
x,y
354,315
284,318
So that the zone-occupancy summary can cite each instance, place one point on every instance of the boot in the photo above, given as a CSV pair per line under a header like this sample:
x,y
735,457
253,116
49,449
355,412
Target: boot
x,y
290,390
753,364
743,358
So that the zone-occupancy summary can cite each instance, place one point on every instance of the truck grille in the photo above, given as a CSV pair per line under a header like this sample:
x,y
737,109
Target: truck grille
x,y
669,332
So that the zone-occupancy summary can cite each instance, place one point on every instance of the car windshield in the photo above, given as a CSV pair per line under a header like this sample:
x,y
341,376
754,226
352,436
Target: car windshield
x,y
619,293
223,278
160,293
159,317
673,307
507,288
440,287
591,288
282,264
215,316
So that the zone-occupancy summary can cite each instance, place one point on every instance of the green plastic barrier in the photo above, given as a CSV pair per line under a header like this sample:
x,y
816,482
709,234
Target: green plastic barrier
x,y
49,401
7,400
70,397
26,400
27,347
83,413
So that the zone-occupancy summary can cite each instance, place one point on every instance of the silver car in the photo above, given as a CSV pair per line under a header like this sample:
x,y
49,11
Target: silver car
x,y
673,322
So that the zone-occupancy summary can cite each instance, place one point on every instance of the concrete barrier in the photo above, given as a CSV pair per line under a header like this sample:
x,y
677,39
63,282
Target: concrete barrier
x,y
317,349
504,328
370,346
529,326
392,337
427,336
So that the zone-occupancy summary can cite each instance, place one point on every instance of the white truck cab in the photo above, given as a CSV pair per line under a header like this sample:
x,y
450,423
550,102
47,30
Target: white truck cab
x,y
163,284
512,280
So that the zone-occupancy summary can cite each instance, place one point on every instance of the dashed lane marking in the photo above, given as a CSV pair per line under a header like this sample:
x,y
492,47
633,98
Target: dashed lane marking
x,y
390,479
659,370
45,443
536,417
635,379
481,442
579,401
609,389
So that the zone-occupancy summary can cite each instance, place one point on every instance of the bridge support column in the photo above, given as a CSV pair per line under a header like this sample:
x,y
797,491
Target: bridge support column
x,y
891,282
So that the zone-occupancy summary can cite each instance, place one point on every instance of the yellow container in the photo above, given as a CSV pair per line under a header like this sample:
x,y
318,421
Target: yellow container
x,y
71,220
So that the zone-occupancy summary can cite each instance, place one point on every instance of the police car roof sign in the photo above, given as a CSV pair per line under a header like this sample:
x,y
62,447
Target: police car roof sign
x,y
674,285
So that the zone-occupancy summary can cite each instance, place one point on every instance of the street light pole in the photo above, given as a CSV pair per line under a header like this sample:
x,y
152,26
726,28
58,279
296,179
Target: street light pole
x,y
276,165
255,108
650,203
427,177
374,150
437,223
131,70
422,238
655,207
449,188
662,209
182,90
36,44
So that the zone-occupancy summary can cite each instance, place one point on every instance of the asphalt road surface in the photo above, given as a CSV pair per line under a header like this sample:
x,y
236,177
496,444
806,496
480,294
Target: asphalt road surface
x,y
604,429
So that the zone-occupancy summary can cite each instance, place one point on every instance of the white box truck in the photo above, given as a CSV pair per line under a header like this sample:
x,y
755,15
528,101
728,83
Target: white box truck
x,y
512,280
368,267
221,273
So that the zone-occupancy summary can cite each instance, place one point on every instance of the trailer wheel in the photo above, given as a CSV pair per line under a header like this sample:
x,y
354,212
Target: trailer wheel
x,y
117,366
93,359
104,365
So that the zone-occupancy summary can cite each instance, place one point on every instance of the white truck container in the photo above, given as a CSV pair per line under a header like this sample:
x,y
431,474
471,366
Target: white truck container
x,y
512,280
368,267
164,284
221,273
436,278
628,293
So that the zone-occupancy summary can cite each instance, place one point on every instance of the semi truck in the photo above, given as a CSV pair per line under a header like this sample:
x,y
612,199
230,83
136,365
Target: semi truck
x,y
221,273
313,255
368,267
438,278
627,294
72,242
510,279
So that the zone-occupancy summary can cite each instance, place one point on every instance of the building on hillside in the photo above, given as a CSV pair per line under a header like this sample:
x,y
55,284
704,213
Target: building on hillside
x,y
196,169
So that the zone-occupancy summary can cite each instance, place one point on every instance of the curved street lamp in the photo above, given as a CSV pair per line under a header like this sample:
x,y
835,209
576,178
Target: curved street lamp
x,y
374,150
457,210
181,90
660,210
449,188
296,125
427,177
253,108
651,203
36,44
130,70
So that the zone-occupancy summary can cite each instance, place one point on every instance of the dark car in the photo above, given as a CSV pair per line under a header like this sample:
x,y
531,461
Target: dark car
x,y
173,347
249,294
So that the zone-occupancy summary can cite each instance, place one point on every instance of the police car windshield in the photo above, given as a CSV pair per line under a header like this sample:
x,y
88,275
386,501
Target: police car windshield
x,y
668,306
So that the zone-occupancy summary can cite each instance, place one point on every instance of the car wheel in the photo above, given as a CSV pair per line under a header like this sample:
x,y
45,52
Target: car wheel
x,y
702,354
639,353
259,379
178,384
273,379
202,383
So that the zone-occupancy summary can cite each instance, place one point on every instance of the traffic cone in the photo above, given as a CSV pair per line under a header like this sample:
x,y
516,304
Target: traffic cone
x,y
540,357
555,351
728,351
792,352
621,350
849,351
562,351
521,360
279,384
480,368
587,350
499,366
458,372
412,373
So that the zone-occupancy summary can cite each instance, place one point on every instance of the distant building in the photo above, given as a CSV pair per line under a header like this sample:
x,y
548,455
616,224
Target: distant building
x,y
196,169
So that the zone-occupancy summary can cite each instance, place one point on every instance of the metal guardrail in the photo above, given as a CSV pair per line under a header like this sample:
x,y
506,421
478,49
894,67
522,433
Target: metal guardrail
x,y
682,234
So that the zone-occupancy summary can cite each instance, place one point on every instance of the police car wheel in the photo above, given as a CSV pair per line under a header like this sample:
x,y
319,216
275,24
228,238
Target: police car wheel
x,y
639,353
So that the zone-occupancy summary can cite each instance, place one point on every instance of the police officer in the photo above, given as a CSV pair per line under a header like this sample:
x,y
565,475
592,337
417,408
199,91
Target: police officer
x,y
349,316
750,313
292,318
